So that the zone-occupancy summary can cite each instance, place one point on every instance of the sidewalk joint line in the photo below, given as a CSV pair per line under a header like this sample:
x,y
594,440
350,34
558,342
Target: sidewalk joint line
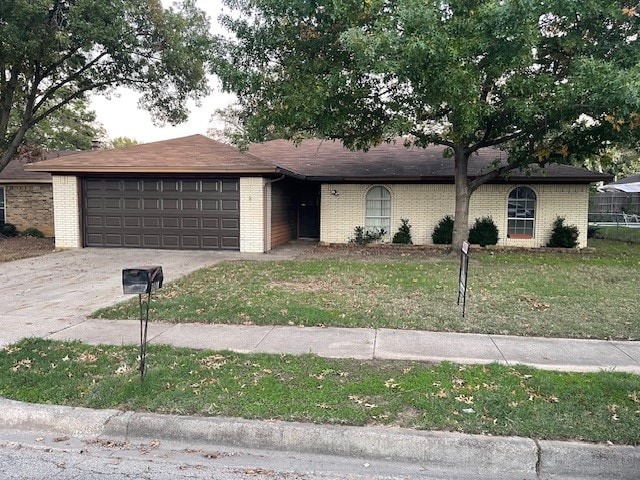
x,y
622,351
68,327
499,351
264,337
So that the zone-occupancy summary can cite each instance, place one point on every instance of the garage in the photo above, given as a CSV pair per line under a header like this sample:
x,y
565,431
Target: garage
x,y
168,213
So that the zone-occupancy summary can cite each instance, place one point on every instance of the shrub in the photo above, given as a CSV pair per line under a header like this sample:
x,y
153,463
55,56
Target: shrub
x,y
592,231
32,232
8,230
484,232
362,237
443,233
403,235
564,236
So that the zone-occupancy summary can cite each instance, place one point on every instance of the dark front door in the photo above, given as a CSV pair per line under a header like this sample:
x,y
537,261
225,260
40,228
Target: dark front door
x,y
308,221
162,213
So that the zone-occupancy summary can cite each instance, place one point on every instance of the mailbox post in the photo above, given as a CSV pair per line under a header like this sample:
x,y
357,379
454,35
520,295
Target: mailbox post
x,y
142,281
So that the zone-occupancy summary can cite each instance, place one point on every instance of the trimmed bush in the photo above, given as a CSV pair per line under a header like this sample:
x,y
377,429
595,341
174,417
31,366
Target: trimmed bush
x,y
403,235
362,237
484,232
8,230
443,233
563,236
32,232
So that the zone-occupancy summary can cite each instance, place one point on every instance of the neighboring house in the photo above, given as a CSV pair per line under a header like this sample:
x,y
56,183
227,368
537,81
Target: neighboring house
x,y
26,197
616,203
194,192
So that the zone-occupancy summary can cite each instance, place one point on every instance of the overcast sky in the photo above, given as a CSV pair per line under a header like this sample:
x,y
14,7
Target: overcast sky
x,y
121,117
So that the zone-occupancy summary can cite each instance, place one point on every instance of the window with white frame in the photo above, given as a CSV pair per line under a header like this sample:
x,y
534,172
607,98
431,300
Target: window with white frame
x,y
521,213
2,216
378,209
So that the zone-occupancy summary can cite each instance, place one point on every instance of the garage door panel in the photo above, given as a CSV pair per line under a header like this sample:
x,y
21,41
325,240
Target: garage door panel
x,y
113,222
191,241
170,222
193,223
231,224
230,205
132,222
190,205
151,240
151,186
151,204
170,204
210,205
151,222
160,213
230,186
112,185
131,186
230,242
170,186
113,203
210,242
211,223
211,186
171,241
95,221
95,203
113,240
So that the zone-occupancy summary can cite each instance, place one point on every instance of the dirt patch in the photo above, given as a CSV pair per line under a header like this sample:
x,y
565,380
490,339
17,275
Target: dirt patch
x,y
24,247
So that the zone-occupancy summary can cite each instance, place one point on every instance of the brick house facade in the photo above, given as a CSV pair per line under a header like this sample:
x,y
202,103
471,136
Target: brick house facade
x,y
194,192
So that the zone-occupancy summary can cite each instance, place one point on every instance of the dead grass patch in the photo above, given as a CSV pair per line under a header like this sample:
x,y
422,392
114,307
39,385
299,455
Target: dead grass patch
x,y
17,248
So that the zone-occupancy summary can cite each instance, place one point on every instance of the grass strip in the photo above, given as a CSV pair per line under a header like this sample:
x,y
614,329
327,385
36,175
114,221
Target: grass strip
x,y
549,294
490,399
620,234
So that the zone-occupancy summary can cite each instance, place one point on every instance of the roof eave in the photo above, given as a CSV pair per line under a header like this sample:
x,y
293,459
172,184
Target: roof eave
x,y
157,170
14,181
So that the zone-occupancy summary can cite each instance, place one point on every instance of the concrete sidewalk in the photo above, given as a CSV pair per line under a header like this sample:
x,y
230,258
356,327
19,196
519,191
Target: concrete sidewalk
x,y
362,343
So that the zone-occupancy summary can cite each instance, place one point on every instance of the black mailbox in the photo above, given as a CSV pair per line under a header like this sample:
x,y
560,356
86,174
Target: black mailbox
x,y
141,280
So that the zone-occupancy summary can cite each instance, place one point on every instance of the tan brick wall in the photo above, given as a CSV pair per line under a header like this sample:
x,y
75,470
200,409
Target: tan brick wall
x,y
425,205
66,205
30,205
254,208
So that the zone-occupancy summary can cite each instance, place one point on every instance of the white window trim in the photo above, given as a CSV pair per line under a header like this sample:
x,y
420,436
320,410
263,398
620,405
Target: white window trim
x,y
381,217
532,220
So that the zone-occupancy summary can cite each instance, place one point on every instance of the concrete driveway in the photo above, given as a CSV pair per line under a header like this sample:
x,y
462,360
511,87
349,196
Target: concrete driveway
x,y
43,295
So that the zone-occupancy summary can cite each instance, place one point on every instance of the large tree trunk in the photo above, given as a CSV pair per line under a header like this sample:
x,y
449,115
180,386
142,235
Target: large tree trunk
x,y
463,193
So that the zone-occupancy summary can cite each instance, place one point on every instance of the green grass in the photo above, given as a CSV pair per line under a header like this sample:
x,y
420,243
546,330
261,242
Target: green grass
x,y
491,399
620,234
575,295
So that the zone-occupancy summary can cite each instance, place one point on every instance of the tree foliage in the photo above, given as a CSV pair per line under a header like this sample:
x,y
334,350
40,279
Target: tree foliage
x,y
546,80
53,52
72,127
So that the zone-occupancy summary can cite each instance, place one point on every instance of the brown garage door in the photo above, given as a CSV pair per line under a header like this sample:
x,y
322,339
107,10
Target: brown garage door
x,y
162,213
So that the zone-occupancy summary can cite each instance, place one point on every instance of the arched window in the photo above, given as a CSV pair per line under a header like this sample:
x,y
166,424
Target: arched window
x,y
378,209
521,214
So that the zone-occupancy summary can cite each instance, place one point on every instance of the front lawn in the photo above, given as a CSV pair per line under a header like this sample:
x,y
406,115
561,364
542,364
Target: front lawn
x,y
481,399
577,295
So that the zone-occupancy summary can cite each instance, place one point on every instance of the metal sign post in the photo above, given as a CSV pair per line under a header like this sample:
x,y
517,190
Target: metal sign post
x,y
462,278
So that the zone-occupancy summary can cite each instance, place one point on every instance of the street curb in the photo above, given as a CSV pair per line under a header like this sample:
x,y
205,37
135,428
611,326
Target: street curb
x,y
493,457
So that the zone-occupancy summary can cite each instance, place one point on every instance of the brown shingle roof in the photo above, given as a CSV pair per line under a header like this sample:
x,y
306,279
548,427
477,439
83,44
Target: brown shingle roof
x,y
328,160
192,154
15,171
319,160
